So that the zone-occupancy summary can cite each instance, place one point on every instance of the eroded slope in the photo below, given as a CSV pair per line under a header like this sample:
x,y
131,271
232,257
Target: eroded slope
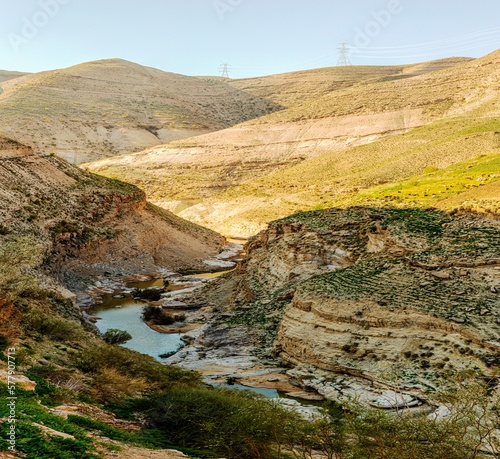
x,y
369,296
89,225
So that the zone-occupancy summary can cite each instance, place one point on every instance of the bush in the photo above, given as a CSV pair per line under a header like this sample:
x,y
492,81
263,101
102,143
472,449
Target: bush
x,y
150,294
65,227
112,386
54,328
430,169
115,336
232,423
55,390
157,316
127,362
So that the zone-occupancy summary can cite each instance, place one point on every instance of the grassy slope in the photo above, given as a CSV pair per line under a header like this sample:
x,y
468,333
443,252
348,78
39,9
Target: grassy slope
x,y
472,184
54,348
456,100
289,89
432,88
389,171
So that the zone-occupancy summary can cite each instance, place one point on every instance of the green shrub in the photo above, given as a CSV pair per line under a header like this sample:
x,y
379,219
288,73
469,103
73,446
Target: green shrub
x,y
115,336
157,316
430,169
53,328
232,423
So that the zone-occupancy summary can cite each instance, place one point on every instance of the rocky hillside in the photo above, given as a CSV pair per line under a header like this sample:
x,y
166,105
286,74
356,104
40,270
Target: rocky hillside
x,y
90,225
290,89
113,107
11,148
6,75
360,131
363,296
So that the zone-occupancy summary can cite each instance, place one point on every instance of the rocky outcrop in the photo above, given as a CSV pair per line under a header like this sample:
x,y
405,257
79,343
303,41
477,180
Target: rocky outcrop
x,y
90,226
9,147
372,296
365,339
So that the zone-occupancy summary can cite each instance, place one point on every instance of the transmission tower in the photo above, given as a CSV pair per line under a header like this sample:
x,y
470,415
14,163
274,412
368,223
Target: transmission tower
x,y
343,50
224,70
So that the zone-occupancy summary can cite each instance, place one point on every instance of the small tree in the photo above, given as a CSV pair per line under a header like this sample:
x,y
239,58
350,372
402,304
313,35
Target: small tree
x,y
115,336
157,316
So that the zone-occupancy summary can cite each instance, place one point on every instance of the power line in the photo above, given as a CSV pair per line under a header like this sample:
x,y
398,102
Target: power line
x,y
224,69
343,54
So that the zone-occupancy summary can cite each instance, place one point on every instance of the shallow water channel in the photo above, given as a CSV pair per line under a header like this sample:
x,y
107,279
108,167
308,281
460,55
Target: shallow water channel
x,y
125,314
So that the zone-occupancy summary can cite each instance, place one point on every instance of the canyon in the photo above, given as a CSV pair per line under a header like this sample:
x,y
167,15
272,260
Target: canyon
x,y
368,195
358,301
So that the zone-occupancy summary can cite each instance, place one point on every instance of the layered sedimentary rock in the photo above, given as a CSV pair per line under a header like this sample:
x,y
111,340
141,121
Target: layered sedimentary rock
x,y
377,295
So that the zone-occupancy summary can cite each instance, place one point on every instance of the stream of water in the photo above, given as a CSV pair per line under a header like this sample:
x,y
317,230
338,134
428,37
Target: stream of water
x,y
119,310
125,314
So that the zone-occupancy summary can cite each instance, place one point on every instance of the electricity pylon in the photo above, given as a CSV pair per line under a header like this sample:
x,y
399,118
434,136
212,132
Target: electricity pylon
x,y
224,69
343,54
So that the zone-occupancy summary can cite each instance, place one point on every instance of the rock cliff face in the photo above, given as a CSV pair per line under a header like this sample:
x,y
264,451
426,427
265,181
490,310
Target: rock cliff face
x,y
89,225
374,294
9,147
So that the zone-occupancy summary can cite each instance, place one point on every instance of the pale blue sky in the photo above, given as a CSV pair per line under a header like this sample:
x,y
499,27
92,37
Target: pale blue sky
x,y
256,37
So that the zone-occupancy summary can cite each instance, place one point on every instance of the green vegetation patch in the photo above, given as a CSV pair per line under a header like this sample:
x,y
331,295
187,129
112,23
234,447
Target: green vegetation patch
x,y
30,439
434,185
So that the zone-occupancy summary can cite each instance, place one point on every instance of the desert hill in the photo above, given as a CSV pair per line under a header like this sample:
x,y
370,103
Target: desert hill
x,y
236,180
86,225
6,75
289,89
113,106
